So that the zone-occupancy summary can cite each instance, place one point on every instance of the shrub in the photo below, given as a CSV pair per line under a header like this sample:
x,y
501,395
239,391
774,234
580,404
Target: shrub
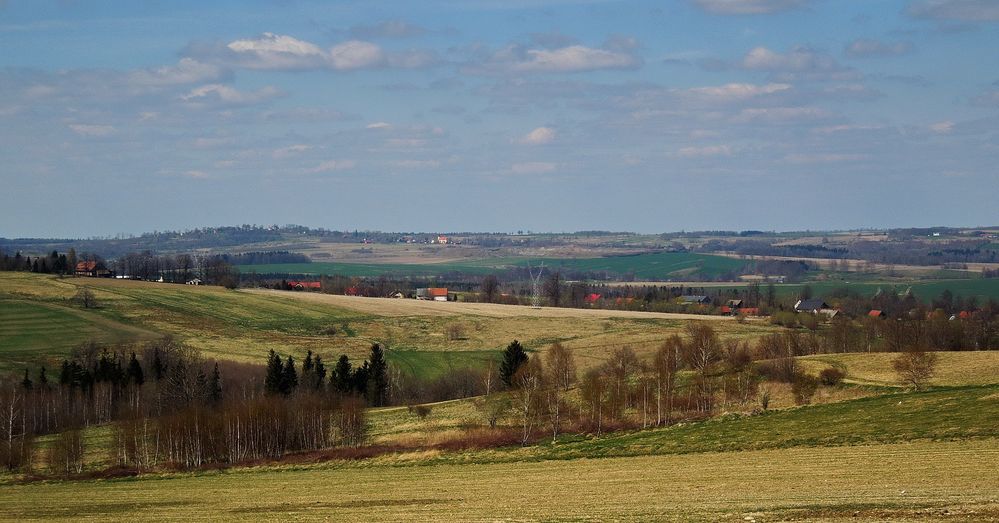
x,y
421,411
831,376
803,388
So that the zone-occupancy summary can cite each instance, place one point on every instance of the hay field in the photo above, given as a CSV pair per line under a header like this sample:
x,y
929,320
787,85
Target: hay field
x,y
924,480
953,368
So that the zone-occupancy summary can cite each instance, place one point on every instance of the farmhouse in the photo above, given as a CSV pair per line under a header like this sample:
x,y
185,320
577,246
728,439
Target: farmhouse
x,y
92,269
694,299
812,305
432,293
304,285
194,281
876,313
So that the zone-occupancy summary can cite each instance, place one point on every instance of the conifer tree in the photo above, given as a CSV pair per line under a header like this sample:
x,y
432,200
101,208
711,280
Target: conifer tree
x,y
43,378
513,357
215,386
134,373
289,377
342,374
26,382
159,369
275,371
319,373
377,385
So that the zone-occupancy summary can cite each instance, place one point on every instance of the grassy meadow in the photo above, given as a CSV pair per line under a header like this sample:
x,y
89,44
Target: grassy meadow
x,y
243,325
897,456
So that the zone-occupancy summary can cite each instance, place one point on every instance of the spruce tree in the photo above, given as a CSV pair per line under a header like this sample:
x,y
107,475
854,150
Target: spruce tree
x,y
377,385
513,357
43,378
215,386
134,373
275,370
289,377
26,382
342,374
159,369
319,373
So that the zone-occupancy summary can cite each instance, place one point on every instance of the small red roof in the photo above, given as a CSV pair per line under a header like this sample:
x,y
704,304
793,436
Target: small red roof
x,y
591,298
350,291
86,266
726,309
876,313
964,315
749,311
305,284
437,291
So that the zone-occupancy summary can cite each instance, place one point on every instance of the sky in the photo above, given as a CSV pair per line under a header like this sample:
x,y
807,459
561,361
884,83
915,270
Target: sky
x,y
122,117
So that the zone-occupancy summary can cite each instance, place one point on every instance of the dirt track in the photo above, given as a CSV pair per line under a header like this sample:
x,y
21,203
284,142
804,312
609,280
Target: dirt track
x,y
408,307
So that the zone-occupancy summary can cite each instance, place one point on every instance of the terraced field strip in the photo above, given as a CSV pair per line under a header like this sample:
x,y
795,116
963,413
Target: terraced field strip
x,y
953,367
833,483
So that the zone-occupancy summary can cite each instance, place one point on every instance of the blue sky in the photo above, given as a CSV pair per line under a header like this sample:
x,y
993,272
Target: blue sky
x,y
125,117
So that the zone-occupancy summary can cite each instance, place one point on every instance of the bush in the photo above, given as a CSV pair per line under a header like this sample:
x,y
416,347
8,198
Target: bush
x,y
421,411
803,388
831,376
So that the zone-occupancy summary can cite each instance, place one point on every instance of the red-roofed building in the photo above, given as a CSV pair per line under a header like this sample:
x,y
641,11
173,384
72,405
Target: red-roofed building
x,y
876,314
92,269
304,285
749,311
432,293
725,309
350,291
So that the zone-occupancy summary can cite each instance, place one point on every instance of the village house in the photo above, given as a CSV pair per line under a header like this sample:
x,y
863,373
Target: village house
x,y
432,293
195,281
694,299
91,269
304,285
811,305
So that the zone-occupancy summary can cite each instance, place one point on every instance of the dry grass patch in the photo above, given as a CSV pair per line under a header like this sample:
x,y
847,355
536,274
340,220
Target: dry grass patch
x,y
953,368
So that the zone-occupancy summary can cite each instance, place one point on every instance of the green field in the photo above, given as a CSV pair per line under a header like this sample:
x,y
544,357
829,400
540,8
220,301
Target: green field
x,y
643,266
900,456
30,331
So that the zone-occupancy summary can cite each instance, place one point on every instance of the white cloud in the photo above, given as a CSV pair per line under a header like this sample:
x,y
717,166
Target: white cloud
x,y
780,115
332,165
289,151
92,130
356,54
964,10
271,51
797,59
574,58
569,59
738,91
226,95
803,159
942,127
748,7
417,164
379,125
866,47
187,71
533,167
539,136
704,152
